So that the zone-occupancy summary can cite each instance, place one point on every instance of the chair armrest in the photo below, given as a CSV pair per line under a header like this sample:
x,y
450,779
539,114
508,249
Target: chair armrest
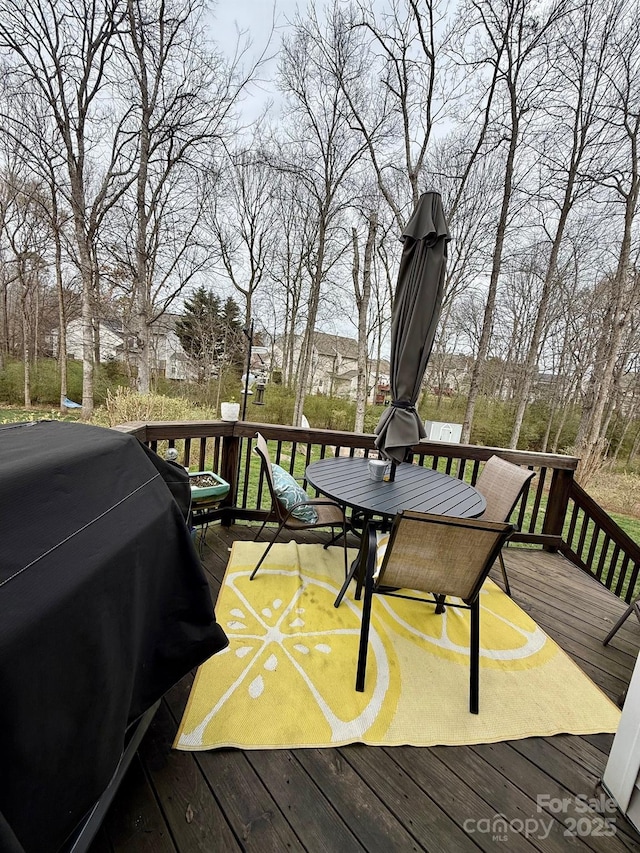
x,y
323,502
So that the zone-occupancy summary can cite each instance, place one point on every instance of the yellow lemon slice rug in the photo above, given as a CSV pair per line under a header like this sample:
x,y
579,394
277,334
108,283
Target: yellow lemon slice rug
x,y
287,678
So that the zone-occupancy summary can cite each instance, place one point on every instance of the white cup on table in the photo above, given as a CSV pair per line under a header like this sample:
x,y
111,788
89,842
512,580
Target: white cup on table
x,y
377,468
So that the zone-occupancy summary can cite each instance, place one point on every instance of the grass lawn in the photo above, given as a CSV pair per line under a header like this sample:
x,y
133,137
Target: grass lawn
x,y
14,415
631,526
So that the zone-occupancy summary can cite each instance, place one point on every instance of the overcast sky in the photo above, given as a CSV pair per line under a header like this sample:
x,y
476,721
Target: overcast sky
x,y
254,15
255,19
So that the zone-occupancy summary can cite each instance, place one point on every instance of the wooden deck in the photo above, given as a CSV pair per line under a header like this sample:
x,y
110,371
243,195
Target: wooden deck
x,y
357,798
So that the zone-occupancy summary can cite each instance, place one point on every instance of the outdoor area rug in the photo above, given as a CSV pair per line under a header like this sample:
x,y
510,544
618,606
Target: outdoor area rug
x,y
287,679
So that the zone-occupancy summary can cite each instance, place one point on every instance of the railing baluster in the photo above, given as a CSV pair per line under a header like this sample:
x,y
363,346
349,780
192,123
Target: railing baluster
x,y
572,524
612,567
583,533
536,503
292,460
246,447
594,541
631,594
622,575
603,556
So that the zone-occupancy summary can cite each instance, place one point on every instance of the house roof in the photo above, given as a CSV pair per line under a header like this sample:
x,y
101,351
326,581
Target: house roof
x,y
384,368
335,345
332,345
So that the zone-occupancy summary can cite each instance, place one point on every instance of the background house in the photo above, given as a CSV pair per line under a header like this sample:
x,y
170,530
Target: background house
x,y
168,359
334,366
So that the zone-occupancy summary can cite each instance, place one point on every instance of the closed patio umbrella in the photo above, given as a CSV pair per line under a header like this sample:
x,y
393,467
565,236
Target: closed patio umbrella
x,y
416,310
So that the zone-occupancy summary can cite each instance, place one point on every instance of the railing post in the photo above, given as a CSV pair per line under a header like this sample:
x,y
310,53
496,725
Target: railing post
x,y
557,504
229,472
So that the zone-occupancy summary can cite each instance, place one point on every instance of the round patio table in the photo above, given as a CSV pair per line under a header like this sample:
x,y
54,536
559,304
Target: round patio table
x,y
346,480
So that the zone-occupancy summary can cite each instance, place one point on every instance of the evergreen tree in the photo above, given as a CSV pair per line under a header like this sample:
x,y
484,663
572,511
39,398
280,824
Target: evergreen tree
x,y
211,333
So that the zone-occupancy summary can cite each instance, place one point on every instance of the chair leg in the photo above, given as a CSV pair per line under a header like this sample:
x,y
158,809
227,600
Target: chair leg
x,y
366,618
261,560
360,565
635,607
257,536
333,540
346,554
507,588
440,602
349,577
474,657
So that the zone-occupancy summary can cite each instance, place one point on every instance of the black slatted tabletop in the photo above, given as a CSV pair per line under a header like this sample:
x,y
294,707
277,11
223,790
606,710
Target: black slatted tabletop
x,y
346,480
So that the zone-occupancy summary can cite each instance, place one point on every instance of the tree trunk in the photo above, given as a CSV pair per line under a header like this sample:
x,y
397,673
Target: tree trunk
x,y
590,446
62,315
363,297
26,354
307,345
86,273
489,311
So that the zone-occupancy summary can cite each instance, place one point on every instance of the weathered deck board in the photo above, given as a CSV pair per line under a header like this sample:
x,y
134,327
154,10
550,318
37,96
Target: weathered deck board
x,y
356,798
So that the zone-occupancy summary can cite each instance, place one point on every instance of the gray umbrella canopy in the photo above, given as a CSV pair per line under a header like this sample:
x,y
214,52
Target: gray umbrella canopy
x,y
416,310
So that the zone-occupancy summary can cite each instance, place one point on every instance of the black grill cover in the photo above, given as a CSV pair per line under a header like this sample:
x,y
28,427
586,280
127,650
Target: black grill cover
x,y
103,607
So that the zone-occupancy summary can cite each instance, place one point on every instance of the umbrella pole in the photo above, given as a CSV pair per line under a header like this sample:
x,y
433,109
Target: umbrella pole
x,y
392,472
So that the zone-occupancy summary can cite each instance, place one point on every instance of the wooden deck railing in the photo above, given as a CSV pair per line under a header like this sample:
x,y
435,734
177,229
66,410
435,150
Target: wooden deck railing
x,y
596,543
554,511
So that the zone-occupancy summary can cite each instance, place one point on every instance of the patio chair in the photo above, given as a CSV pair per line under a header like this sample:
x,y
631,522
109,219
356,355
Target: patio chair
x,y
502,483
286,504
435,554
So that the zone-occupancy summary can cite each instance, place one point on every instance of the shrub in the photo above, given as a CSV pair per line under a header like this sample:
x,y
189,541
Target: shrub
x,y
124,405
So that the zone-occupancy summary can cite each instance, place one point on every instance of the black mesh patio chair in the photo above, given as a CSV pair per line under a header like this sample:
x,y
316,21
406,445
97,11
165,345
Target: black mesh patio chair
x,y
433,554
329,513
502,483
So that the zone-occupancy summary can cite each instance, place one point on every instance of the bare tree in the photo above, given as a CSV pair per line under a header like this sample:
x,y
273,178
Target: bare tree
x,y
35,152
60,49
581,54
293,239
243,220
362,290
515,36
181,99
27,234
320,150
395,99
623,177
